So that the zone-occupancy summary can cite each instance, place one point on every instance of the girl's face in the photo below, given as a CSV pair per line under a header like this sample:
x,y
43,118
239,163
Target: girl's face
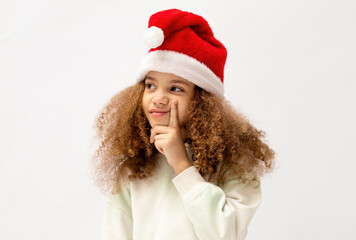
x,y
160,90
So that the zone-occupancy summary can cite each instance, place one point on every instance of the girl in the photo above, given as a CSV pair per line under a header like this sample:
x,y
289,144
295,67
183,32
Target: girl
x,y
179,161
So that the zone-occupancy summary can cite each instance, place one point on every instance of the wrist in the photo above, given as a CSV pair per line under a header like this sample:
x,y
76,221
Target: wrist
x,y
182,166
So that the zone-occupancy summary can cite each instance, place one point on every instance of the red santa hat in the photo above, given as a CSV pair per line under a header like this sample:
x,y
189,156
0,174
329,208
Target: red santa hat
x,y
183,43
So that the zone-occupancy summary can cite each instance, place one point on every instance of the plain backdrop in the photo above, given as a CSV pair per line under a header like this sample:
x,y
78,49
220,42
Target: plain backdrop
x,y
291,69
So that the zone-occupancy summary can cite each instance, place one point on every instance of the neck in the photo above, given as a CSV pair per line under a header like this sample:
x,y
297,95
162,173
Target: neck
x,y
183,133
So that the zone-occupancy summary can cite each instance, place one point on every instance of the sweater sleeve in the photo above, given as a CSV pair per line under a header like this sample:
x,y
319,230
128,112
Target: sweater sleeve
x,y
217,213
117,220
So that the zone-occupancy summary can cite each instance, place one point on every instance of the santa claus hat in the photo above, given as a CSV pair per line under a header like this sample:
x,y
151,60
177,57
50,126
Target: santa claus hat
x,y
183,43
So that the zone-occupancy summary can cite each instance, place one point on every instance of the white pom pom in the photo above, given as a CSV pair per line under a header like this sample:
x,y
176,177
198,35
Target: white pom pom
x,y
153,37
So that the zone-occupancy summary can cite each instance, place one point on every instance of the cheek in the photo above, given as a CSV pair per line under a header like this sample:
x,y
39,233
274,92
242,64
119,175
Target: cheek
x,y
145,105
182,115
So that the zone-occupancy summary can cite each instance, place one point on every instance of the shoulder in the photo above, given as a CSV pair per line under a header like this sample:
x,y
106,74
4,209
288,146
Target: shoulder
x,y
247,193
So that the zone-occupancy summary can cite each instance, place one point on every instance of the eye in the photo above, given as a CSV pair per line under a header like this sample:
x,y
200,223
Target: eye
x,y
149,85
177,89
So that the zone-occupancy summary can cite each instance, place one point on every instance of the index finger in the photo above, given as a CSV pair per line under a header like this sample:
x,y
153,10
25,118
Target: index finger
x,y
173,121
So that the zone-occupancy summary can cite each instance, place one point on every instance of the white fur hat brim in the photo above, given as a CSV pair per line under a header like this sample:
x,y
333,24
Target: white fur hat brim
x,y
183,66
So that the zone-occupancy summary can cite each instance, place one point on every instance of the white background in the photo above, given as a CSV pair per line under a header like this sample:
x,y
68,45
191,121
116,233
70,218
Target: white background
x,y
290,69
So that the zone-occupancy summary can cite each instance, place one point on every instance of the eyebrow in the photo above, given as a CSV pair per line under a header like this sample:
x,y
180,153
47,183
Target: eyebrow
x,y
171,81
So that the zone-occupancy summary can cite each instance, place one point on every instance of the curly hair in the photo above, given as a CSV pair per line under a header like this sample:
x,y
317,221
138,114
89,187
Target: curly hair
x,y
224,144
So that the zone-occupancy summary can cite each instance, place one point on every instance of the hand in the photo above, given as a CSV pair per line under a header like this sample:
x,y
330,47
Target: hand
x,y
168,141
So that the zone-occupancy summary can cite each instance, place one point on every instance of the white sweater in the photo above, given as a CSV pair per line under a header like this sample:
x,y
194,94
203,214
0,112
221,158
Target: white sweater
x,y
182,207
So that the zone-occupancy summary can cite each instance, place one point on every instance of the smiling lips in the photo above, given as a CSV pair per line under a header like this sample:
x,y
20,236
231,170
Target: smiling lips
x,y
158,112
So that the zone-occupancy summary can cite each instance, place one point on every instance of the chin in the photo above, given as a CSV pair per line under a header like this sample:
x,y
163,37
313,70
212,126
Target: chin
x,y
158,122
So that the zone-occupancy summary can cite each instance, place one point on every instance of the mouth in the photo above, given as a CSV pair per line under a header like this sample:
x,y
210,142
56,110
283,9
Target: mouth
x,y
158,114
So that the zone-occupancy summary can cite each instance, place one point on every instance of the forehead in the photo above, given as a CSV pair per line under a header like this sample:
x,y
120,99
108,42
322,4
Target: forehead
x,y
154,75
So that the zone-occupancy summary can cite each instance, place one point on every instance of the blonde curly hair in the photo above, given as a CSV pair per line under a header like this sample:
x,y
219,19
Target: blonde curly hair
x,y
223,142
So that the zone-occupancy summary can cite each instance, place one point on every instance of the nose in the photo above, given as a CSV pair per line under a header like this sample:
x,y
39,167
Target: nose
x,y
160,100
